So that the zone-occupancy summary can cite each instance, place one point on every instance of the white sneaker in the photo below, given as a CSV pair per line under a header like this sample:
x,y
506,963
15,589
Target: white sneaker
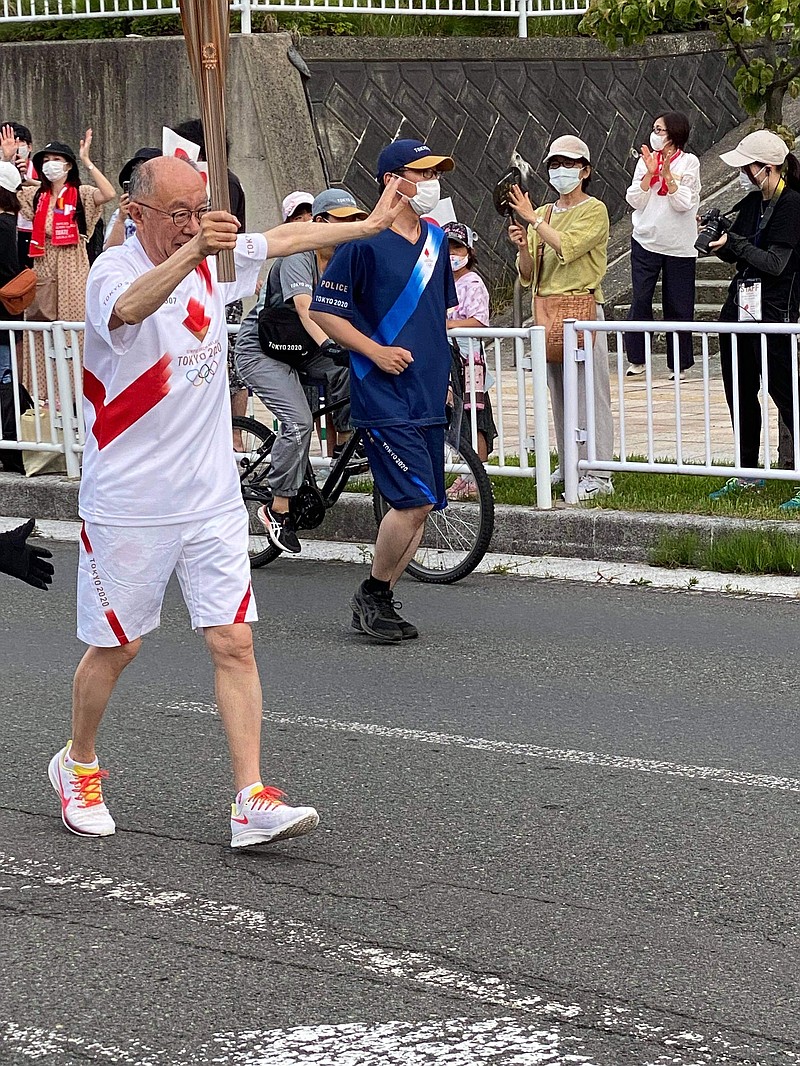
x,y
80,789
259,816
634,369
556,477
590,486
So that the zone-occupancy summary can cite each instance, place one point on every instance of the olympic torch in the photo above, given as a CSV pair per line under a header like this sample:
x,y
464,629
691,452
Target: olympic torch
x,y
206,27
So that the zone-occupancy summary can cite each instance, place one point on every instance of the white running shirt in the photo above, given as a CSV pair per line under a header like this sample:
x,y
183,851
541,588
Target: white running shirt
x,y
156,404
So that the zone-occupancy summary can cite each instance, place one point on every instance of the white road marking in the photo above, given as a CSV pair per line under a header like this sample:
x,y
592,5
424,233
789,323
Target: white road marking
x,y
594,571
415,968
601,760
454,1042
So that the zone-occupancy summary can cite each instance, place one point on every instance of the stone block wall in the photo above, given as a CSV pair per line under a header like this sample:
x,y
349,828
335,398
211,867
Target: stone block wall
x,y
482,99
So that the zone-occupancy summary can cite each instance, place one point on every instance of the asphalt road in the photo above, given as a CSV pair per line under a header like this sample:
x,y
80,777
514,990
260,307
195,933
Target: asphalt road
x,y
562,827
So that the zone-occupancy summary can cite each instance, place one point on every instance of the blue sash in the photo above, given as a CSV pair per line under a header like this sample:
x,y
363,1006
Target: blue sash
x,y
407,302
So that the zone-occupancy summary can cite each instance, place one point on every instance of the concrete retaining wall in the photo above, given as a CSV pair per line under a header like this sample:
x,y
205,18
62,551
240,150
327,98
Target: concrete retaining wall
x,y
126,90
482,98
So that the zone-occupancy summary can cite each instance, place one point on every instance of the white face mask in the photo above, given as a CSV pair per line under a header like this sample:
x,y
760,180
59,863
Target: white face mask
x,y
657,142
565,179
748,183
426,197
23,151
53,170
458,261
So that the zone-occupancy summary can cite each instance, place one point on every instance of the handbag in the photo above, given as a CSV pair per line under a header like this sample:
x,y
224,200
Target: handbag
x,y
37,462
282,336
17,295
44,307
551,311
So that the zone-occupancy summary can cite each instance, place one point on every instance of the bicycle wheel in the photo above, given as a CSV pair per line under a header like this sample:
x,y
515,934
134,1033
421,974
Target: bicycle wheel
x,y
455,539
253,463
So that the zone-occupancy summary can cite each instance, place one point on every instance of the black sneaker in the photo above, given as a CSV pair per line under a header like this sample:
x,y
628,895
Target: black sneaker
x,y
357,463
408,631
376,615
280,530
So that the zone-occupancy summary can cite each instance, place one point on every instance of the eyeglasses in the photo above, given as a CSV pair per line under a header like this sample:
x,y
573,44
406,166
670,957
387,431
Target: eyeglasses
x,y
426,175
660,129
560,161
179,218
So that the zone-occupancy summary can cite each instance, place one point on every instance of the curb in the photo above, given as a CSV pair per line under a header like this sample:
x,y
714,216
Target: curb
x,y
565,532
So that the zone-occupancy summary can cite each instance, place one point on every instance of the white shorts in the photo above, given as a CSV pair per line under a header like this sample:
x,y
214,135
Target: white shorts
x,y
123,573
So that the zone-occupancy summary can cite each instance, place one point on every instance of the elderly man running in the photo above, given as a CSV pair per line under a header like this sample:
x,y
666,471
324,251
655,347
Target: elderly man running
x,y
160,491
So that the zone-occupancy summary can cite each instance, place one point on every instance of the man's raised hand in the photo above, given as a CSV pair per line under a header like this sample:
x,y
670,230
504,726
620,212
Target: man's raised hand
x,y
387,208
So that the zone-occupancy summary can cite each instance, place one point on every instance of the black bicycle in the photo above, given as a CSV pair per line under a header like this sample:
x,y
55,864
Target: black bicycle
x,y
455,539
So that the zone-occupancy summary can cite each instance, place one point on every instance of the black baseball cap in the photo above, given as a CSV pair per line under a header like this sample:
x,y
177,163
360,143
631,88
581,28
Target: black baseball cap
x,y
57,148
140,156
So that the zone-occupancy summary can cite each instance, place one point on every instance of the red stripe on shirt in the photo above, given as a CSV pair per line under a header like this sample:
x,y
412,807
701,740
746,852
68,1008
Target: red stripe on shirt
x,y
85,539
116,628
240,614
204,270
141,396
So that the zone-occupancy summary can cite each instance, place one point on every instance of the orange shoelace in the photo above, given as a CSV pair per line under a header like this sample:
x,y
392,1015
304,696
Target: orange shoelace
x,y
267,797
90,787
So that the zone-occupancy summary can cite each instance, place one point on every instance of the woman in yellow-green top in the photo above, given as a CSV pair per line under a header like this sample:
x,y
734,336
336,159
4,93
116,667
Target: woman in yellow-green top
x,y
575,241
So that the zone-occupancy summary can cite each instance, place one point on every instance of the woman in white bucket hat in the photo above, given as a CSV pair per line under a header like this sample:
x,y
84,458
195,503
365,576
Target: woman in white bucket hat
x,y
763,242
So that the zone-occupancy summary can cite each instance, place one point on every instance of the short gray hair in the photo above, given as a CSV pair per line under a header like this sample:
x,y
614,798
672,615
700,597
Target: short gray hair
x,y
143,181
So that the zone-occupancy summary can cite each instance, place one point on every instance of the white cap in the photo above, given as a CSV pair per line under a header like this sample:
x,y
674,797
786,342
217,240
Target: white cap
x,y
293,201
570,147
9,177
763,146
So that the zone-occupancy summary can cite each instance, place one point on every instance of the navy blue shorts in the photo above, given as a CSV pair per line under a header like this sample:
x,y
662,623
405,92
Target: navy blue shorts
x,y
407,463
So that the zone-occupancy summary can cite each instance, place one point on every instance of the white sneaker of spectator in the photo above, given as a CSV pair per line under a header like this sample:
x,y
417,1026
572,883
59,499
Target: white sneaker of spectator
x,y
590,486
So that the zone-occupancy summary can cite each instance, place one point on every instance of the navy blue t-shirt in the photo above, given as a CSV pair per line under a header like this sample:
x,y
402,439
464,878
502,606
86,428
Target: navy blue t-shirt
x,y
374,284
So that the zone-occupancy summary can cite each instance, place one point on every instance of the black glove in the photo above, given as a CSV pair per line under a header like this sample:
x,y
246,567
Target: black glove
x,y
23,561
335,352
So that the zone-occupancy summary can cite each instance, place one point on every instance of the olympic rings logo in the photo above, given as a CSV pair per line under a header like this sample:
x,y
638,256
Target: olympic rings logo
x,y
202,374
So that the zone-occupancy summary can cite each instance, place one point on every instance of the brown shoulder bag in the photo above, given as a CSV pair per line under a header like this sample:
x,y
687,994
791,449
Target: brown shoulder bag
x,y
551,311
18,294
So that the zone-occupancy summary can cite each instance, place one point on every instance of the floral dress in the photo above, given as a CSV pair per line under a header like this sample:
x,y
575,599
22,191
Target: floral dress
x,y
68,264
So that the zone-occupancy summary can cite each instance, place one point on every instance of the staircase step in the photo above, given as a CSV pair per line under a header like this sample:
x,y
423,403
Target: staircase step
x,y
711,267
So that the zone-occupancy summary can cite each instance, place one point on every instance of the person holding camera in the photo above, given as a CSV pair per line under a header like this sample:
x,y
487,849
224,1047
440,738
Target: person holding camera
x,y
563,252
295,344
664,195
763,242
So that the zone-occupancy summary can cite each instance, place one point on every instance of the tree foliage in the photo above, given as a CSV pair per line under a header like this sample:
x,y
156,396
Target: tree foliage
x,y
763,37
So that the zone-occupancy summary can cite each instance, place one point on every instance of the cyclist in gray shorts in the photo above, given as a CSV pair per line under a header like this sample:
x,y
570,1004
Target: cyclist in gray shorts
x,y
291,282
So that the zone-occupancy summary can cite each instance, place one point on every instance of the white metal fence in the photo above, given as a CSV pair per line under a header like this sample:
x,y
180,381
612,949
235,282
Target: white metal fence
x,y
521,10
55,384
671,455
515,359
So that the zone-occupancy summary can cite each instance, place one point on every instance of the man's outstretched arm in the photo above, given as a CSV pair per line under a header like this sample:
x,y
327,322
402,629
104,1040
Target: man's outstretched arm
x,y
294,237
